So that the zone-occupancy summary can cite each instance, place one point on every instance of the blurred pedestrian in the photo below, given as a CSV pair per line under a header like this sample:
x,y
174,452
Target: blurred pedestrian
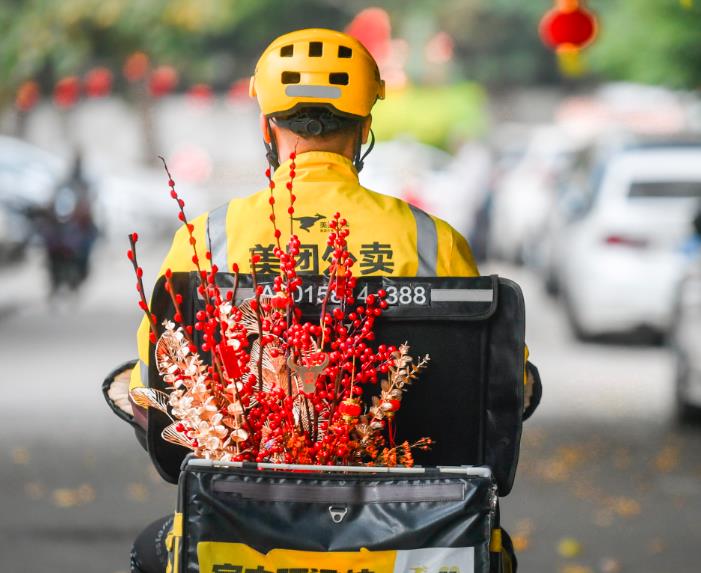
x,y
68,230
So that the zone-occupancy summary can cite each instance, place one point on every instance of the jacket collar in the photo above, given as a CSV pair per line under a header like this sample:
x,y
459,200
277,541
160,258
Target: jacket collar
x,y
317,166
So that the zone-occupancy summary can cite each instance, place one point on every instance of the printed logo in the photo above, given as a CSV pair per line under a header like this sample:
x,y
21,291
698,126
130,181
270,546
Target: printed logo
x,y
306,223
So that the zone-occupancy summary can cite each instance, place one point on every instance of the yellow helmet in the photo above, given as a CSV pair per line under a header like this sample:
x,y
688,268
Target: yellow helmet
x,y
317,68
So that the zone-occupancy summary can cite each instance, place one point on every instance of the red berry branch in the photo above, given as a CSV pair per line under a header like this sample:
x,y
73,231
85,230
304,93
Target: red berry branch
x,y
279,388
143,303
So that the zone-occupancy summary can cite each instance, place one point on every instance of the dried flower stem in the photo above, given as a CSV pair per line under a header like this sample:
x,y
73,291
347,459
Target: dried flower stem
x,y
143,303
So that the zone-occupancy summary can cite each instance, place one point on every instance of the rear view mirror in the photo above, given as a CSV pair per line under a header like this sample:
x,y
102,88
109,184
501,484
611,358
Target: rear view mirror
x,y
697,223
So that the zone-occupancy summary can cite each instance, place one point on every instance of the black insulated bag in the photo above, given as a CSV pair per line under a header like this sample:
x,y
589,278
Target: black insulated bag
x,y
244,518
470,398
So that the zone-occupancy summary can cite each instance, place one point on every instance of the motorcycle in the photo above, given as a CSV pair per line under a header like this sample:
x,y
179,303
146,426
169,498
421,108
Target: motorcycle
x,y
233,516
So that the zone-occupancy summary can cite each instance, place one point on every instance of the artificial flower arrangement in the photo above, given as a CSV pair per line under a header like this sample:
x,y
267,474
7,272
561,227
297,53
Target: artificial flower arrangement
x,y
259,384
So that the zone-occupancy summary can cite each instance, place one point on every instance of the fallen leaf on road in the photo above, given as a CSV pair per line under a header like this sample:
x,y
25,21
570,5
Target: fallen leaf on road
x,y
569,547
610,565
573,568
559,467
521,535
137,492
34,490
668,459
20,456
66,497
520,542
656,546
624,506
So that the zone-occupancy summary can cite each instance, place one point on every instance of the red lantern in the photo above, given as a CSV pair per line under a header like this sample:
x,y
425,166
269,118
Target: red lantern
x,y
136,67
239,90
568,26
98,82
27,96
372,27
200,94
349,409
67,92
162,81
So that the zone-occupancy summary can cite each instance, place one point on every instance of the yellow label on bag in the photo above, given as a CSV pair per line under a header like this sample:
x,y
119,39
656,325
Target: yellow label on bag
x,y
215,557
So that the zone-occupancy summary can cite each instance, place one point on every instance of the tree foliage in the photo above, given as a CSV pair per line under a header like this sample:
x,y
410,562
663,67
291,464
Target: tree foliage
x,y
47,39
651,41
216,41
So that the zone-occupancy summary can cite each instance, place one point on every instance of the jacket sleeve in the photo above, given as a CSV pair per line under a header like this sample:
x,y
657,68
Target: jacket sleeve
x,y
178,259
454,254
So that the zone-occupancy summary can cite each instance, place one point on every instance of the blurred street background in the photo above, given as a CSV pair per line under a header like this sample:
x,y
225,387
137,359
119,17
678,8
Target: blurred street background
x,y
568,153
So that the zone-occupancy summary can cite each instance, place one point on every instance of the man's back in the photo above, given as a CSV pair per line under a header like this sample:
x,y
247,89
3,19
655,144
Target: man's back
x,y
387,235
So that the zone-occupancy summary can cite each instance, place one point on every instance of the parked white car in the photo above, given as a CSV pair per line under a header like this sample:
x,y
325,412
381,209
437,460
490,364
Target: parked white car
x,y
524,197
451,188
686,342
621,260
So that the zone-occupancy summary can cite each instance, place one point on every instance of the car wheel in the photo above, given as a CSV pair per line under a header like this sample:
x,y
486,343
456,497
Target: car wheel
x,y
579,332
552,285
686,413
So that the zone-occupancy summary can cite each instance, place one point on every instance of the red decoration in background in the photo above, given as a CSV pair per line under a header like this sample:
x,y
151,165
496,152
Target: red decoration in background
x,y
373,29
239,90
136,67
440,48
27,96
568,26
67,92
163,81
200,94
98,82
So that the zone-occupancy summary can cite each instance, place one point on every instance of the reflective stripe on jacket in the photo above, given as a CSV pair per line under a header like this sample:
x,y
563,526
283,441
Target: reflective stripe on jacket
x,y
387,235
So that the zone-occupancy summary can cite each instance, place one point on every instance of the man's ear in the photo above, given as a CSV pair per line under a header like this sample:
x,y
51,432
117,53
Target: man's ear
x,y
265,128
367,124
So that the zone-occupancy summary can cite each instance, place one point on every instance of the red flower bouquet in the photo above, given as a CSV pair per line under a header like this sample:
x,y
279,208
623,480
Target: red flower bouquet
x,y
254,382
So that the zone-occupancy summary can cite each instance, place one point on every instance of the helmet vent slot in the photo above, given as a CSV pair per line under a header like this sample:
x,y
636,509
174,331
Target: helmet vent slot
x,y
316,49
290,77
345,52
339,78
287,51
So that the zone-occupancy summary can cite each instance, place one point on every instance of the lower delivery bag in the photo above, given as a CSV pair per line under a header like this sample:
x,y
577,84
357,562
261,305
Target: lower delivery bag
x,y
243,518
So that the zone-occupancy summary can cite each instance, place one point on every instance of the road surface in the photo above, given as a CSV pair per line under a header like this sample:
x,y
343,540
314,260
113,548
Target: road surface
x,y
607,481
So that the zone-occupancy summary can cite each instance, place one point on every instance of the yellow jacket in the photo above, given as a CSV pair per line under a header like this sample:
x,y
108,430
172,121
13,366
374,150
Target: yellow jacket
x,y
387,235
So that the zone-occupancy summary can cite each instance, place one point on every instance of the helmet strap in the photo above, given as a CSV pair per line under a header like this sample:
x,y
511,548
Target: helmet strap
x,y
358,160
271,152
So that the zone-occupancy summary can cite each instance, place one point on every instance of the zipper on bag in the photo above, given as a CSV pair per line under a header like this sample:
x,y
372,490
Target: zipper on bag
x,y
331,493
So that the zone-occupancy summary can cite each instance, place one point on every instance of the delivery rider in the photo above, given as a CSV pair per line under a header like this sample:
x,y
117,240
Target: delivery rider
x,y
316,89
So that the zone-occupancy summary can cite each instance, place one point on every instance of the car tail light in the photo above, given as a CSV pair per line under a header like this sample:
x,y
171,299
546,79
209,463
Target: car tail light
x,y
625,241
